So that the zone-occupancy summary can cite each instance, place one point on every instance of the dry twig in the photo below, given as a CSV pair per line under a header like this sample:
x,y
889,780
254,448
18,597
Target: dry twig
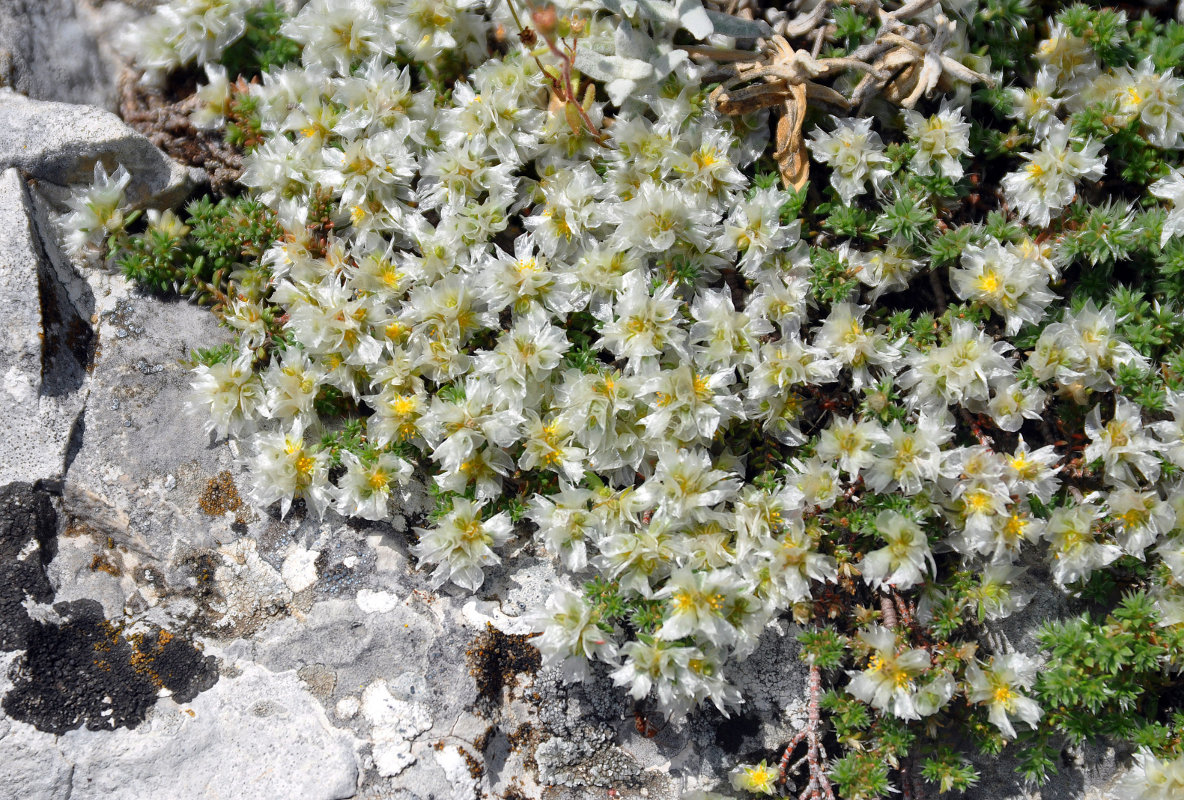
x,y
903,64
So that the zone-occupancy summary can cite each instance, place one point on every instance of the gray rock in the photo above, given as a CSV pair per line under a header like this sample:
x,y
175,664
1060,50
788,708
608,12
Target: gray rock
x,y
19,339
44,345
47,52
256,736
29,759
586,759
61,143
158,543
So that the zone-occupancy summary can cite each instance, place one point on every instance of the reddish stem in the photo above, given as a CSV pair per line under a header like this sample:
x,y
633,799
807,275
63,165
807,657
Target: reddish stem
x,y
818,787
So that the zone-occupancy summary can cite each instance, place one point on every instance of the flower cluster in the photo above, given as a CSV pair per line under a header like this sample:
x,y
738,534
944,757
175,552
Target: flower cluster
x,y
715,402
187,32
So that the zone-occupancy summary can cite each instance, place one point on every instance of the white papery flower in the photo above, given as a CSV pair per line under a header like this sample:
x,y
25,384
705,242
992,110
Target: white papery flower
x,y
996,595
1033,472
792,561
1015,288
524,357
1152,778
724,335
1155,97
1073,543
851,444
960,371
911,456
689,406
338,33
941,139
98,211
196,30
428,29
659,216
1140,517
1048,182
685,484
365,490
1121,443
1067,57
885,270
1011,403
843,336
462,543
654,665
889,683
212,99
547,445
230,394
902,562
1171,188
642,325
572,634
699,604
566,523
855,154
754,230
1037,106
999,687
285,467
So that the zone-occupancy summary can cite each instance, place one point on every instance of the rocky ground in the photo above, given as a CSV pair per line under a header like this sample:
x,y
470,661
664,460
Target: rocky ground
x,y
161,638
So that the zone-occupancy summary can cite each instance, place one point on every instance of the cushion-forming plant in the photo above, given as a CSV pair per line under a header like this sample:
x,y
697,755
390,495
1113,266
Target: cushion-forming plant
x,y
539,257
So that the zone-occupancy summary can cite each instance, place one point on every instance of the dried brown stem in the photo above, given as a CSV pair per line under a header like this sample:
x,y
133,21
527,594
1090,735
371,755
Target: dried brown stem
x,y
169,127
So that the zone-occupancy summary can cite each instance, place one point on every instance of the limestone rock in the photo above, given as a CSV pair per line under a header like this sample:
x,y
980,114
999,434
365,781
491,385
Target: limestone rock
x,y
29,759
47,52
44,345
256,736
61,143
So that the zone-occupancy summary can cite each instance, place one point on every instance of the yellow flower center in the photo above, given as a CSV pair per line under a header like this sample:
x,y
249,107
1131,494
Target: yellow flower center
x,y
1023,467
303,465
636,325
378,479
989,283
1117,432
1134,518
705,158
978,502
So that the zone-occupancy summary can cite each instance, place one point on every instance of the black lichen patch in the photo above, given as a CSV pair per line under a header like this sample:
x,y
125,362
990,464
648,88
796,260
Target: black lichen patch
x,y
496,659
731,732
171,662
65,677
84,671
28,524
81,670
